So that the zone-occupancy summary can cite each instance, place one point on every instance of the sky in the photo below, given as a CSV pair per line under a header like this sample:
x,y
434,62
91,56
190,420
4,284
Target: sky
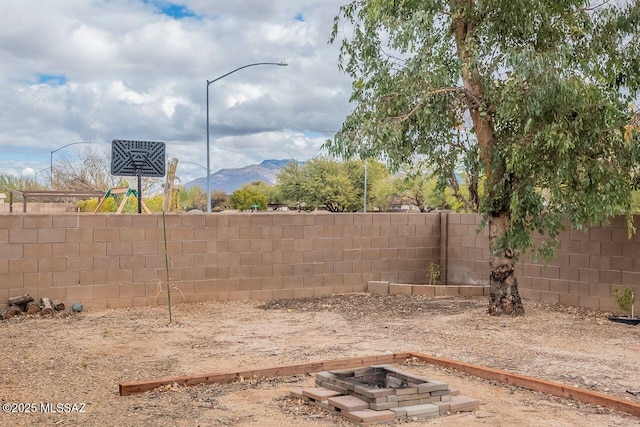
x,y
98,70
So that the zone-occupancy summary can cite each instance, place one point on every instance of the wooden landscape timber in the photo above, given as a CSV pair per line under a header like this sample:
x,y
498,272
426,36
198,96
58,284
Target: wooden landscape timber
x,y
226,377
535,384
529,383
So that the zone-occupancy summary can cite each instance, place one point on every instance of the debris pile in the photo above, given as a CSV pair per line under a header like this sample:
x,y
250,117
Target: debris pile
x,y
26,304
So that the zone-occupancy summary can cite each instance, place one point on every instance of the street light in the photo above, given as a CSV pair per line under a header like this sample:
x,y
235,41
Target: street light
x,y
280,64
194,163
41,170
51,158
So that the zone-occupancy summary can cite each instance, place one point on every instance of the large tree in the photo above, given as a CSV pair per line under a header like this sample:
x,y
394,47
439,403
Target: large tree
x,y
534,93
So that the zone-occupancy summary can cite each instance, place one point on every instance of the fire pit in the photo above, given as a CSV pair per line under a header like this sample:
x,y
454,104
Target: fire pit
x,y
384,386
383,393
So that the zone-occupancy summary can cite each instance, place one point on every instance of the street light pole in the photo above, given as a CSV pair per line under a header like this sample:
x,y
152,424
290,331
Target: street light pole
x,y
194,163
365,186
280,64
51,158
41,170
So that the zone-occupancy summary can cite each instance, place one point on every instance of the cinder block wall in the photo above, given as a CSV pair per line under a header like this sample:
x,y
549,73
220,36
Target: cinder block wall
x,y
110,260
18,207
584,272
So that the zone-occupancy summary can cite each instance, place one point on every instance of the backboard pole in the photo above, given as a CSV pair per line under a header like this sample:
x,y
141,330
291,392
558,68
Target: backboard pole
x,y
139,173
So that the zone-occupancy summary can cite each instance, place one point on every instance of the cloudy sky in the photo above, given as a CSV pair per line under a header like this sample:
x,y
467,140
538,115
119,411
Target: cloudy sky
x,y
98,70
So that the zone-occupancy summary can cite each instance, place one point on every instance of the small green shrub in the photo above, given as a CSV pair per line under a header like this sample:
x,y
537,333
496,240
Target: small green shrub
x,y
625,299
434,273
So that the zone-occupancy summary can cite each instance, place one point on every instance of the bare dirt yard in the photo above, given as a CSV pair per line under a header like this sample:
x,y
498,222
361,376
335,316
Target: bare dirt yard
x,y
81,360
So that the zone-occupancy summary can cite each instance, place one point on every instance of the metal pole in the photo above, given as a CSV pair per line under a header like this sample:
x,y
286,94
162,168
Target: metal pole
x,y
139,173
280,64
51,158
208,156
365,185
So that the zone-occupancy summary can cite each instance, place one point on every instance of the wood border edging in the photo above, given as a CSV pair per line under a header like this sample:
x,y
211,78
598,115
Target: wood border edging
x,y
226,377
529,383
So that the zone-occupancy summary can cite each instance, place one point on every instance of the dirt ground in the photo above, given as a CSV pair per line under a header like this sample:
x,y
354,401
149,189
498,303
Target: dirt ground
x,y
81,360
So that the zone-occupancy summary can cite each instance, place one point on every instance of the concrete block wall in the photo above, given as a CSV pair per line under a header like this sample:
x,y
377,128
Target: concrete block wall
x,y
36,207
467,250
585,271
110,260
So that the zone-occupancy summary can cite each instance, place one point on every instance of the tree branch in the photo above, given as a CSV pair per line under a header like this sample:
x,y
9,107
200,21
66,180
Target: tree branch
x,y
408,115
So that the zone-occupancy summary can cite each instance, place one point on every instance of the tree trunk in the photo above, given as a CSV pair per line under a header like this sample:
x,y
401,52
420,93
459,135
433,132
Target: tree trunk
x,y
503,291
172,166
13,310
47,307
57,304
20,299
32,308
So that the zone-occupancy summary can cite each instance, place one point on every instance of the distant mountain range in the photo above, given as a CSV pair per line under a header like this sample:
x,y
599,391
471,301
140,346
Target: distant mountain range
x,y
229,180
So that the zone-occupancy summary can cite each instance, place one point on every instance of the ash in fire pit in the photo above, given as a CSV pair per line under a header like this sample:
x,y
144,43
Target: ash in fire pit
x,y
382,393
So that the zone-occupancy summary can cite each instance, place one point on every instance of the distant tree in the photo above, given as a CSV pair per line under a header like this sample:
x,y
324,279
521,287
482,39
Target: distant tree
x,y
323,182
155,203
271,192
219,200
192,198
246,197
17,183
416,181
168,187
90,170
90,205
539,88
381,194
377,173
292,183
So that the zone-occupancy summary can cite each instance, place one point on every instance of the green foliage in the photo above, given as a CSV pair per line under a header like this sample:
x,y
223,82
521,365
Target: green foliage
x,y
89,205
271,192
193,198
625,299
381,193
635,202
17,183
219,200
246,197
417,182
154,203
292,182
528,97
111,204
336,186
434,273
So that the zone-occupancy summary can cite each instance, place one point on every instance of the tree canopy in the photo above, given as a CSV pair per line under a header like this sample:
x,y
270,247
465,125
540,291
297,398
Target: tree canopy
x,y
533,96
248,197
337,186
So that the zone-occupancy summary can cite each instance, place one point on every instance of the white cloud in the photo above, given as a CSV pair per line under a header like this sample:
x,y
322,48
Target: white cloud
x,y
73,70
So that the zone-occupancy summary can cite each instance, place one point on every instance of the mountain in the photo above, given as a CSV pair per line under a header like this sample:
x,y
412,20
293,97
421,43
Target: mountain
x,y
229,180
